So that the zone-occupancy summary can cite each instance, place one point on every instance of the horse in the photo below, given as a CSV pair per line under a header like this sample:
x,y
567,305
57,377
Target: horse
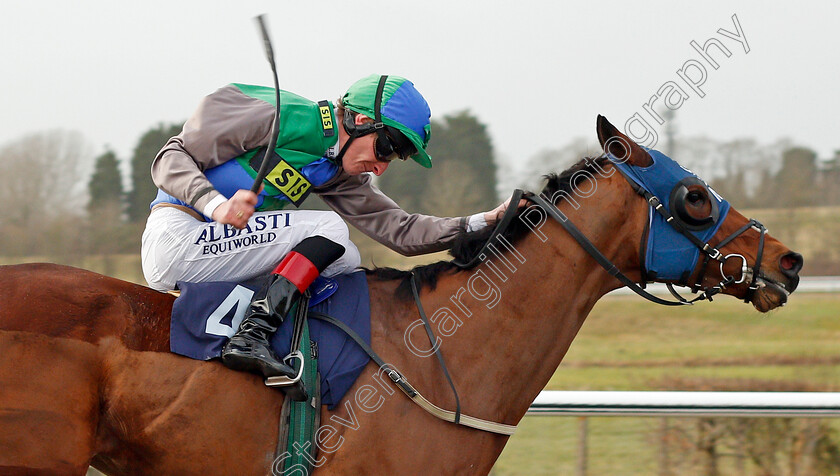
x,y
86,376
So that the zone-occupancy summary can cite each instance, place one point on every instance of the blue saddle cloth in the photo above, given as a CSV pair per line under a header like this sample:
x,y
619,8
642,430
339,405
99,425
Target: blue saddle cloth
x,y
207,314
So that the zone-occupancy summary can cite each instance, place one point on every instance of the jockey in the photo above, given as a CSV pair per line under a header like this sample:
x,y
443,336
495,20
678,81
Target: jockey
x,y
206,225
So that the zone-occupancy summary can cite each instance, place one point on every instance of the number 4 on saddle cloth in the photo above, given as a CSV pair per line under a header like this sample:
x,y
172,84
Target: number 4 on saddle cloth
x,y
205,315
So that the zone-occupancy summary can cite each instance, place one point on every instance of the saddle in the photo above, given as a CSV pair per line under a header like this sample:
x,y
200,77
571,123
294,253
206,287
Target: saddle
x,y
205,315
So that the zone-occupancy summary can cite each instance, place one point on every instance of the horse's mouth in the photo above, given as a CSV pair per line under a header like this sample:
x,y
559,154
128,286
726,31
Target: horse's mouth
x,y
770,295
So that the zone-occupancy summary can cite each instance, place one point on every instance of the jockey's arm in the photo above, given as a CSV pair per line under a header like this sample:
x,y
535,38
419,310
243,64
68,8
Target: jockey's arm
x,y
359,202
226,124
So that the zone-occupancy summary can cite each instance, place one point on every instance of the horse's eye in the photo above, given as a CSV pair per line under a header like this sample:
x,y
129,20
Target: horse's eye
x,y
694,198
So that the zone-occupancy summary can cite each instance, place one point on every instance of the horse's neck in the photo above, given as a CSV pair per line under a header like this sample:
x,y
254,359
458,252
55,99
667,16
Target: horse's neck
x,y
519,329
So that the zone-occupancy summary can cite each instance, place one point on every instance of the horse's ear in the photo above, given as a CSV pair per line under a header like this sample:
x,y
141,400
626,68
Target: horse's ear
x,y
619,145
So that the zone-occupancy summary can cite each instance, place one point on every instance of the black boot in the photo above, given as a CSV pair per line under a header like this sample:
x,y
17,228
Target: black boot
x,y
249,350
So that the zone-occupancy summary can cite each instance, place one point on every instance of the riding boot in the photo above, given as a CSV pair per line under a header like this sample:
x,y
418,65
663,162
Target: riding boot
x,y
249,349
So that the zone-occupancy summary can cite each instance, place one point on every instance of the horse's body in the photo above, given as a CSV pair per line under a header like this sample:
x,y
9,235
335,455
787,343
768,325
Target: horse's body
x,y
86,376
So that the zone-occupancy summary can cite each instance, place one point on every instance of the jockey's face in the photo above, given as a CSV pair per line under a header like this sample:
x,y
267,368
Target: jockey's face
x,y
360,156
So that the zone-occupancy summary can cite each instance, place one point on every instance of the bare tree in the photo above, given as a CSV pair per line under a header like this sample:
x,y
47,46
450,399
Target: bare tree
x,y
456,190
41,179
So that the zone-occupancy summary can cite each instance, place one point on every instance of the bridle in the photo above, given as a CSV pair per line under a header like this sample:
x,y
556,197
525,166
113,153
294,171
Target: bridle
x,y
710,252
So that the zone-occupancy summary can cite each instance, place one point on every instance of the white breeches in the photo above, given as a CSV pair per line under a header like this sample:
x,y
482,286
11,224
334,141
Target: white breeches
x,y
177,247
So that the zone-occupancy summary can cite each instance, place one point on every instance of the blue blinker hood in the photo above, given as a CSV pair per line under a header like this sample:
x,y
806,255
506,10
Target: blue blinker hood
x,y
668,254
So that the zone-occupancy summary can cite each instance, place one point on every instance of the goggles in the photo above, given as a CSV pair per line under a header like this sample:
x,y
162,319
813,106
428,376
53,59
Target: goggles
x,y
389,143
392,144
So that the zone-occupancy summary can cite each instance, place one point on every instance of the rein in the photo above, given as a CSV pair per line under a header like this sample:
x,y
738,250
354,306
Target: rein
x,y
501,226
402,383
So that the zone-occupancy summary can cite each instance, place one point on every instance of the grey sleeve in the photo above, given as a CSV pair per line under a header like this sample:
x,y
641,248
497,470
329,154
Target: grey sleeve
x,y
359,202
226,124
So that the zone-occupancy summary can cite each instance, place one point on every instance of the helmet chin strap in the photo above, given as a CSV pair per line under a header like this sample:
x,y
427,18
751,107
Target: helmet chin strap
x,y
353,133
344,147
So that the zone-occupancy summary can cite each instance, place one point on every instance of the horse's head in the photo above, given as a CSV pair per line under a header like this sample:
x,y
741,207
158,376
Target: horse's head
x,y
693,237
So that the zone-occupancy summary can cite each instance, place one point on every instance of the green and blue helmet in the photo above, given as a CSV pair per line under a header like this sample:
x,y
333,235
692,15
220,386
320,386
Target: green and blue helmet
x,y
393,101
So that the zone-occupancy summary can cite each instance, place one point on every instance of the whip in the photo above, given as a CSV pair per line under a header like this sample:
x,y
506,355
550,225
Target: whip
x,y
275,127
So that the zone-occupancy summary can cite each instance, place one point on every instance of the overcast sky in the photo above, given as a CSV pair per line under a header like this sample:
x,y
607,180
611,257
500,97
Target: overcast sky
x,y
537,72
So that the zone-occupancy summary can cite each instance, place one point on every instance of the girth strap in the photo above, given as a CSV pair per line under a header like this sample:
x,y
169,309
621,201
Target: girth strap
x,y
415,396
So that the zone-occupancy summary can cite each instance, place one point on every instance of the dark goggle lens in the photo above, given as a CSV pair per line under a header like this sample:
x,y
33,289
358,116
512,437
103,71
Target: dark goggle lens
x,y
395,144
384,149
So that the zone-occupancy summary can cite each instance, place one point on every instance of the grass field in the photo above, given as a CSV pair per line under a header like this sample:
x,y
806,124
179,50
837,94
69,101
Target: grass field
x,y
629,344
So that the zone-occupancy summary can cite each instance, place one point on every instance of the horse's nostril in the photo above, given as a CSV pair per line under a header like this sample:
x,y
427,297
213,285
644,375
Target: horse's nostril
x,y
791,264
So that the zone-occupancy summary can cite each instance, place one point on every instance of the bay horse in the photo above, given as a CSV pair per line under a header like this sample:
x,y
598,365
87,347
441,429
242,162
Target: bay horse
x,y
86,376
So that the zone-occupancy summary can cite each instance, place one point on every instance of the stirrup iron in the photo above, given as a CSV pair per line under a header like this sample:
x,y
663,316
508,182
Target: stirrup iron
x,y
282,380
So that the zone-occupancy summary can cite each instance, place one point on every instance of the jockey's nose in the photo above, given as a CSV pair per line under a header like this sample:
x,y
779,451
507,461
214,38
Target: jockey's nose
x,y
380,167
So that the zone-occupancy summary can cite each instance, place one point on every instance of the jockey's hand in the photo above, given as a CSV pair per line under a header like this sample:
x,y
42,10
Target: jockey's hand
x,y
237,210
496,214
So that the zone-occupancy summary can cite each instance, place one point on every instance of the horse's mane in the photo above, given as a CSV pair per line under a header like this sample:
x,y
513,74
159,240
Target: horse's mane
x,y
467,245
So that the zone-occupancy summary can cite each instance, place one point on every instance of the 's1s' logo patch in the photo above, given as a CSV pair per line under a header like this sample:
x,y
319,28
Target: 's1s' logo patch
x,y
289,181
326,118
